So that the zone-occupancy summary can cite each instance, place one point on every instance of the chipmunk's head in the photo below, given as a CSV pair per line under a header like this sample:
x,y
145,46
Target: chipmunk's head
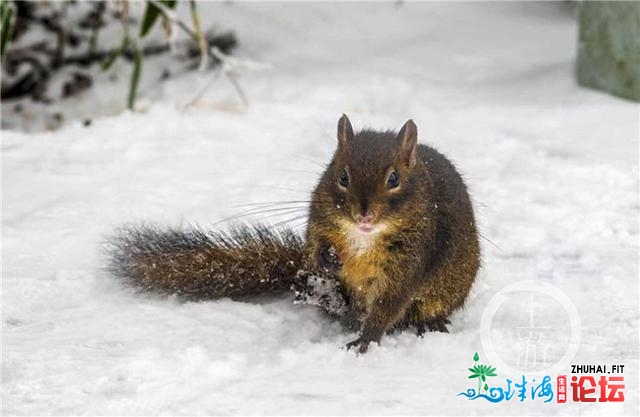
x,y
372,177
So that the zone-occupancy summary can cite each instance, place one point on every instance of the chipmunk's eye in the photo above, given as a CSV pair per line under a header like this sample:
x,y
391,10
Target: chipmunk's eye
x,y
344,179
393,181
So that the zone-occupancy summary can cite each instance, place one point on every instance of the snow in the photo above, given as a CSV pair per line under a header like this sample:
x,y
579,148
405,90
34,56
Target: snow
x,y
553,170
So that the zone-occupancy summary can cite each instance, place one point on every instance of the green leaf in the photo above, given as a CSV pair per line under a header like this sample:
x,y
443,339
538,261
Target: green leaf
x,y
476,358
483,378
6,17
473,376
113,56
148,19
135,77
151,14
486,387
491,374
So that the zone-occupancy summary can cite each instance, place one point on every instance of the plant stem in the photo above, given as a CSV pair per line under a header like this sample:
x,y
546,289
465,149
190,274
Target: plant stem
x,y
135,77
202,43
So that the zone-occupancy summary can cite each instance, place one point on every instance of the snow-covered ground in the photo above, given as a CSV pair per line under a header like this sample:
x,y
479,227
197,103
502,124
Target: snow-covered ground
x,y
553,170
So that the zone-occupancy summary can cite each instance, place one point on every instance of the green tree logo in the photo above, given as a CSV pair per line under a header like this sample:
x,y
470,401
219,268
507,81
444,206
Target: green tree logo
x,y
481,372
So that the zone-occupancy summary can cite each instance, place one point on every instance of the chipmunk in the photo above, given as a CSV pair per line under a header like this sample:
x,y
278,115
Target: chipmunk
x,y
390,219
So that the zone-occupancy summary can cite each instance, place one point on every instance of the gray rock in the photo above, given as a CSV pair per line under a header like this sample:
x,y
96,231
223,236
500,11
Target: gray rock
x,y
609,47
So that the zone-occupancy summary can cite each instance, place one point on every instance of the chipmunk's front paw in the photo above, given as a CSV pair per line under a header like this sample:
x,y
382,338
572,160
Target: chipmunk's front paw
x,y
327,258
359,343
435,325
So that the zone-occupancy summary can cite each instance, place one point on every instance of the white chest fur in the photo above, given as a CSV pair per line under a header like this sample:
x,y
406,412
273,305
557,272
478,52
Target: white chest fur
x,y
358,242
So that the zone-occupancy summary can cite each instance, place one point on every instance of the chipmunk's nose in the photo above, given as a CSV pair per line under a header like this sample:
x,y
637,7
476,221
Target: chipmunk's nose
x,y
366,218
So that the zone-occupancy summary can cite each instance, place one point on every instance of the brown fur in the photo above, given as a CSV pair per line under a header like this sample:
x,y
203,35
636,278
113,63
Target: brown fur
x,y
417,270
247,261
421,266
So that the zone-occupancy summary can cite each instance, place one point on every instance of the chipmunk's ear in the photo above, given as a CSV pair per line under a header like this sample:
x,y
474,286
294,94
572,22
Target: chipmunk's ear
x,y
345,131
407,142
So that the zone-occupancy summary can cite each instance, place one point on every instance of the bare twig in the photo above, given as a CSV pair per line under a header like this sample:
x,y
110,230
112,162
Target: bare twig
x,y
228,63
202,90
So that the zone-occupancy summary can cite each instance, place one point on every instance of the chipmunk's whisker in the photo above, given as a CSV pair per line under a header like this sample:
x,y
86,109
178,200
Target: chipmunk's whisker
x,y
274,203
313,161
318,174
490,242
300,203
278,187
260,210
284,222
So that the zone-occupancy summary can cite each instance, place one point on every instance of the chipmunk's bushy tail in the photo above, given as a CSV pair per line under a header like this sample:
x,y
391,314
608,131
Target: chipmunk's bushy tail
x,y
246,261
